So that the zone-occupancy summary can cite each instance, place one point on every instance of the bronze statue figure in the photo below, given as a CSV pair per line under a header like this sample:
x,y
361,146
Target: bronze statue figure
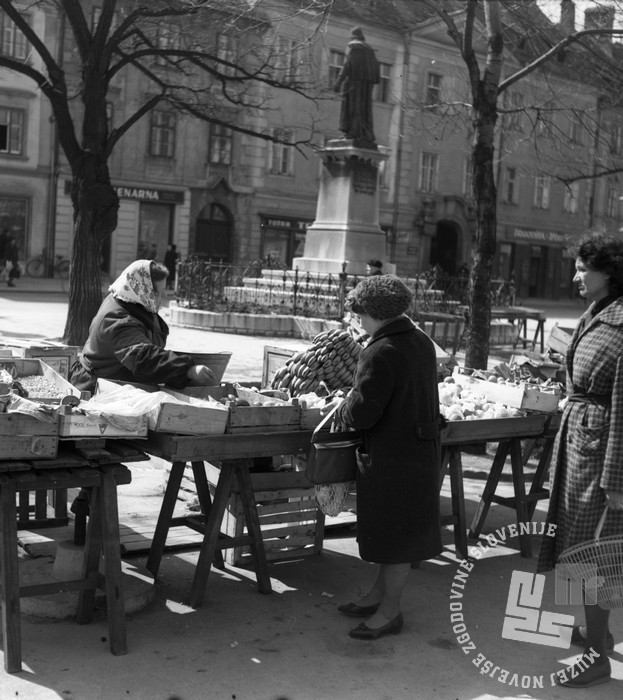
x,y
356,81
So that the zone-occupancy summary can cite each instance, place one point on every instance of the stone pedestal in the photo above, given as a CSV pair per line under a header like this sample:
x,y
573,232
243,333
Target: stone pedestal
x,y
346,229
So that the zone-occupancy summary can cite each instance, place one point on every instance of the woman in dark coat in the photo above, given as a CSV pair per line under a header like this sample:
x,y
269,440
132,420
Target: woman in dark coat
x,y
127,337
395,403
587,462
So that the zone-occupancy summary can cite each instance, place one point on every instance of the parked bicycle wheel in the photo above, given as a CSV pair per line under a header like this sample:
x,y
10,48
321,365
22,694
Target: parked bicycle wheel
x,y
35,267
62,268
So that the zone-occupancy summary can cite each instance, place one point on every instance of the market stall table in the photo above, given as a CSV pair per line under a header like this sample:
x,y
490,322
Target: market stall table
x,y
521,315
100,470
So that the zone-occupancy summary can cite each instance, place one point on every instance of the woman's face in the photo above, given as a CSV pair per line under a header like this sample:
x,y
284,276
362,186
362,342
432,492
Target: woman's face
x,y
592,284
160,287
370,325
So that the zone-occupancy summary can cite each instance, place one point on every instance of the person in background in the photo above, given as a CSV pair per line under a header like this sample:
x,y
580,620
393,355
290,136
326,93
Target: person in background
x,y
127,337
11,253
395,404
152,254
4,239
170,261
587,461
374,267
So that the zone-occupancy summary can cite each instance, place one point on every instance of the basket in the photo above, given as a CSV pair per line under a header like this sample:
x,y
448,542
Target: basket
x,y
599,565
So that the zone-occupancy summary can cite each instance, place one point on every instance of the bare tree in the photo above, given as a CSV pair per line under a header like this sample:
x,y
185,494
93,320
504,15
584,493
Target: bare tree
x,y
205,81
487,84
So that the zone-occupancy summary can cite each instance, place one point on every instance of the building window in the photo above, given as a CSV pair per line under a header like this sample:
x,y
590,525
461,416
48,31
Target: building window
x,y
96,13
612,203
546,121
280,154
110,115
381,89
541,192
428,172
576,130
570,202
510,191
617,139
12,42
220,143
468,179
227,51
162,134
167,39
433,89
336,61
12,131
514,111
286,60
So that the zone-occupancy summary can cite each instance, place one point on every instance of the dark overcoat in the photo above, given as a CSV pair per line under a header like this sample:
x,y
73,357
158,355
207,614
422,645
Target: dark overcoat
x,y
587,458
395,403
126,342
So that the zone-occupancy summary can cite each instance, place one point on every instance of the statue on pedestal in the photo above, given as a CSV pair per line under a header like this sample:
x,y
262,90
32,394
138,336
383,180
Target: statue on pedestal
x,y
356,81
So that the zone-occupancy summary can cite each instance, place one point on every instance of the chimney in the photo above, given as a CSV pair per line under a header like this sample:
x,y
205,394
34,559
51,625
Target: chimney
x,y
599,18
567,16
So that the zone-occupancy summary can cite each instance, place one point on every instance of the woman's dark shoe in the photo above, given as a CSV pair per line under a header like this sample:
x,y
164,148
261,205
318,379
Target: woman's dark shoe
x,y
362,631
586,677
354,610
578,637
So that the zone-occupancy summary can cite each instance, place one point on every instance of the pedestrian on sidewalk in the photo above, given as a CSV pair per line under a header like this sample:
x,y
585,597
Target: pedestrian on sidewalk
x,y
395,404
11,253
587,461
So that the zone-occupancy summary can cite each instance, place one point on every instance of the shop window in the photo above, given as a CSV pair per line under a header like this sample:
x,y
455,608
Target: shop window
x,y
571,198
13,43
220,144
381,89
14,221
429,163
12,132
283,239
280,154
162,134
612,203
155,230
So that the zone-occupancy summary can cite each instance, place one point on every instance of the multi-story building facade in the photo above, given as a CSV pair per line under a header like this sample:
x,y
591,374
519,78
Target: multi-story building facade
x,y
233,197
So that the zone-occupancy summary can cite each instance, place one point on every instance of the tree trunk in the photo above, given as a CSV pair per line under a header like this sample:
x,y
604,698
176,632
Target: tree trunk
x,y
95,205
479,321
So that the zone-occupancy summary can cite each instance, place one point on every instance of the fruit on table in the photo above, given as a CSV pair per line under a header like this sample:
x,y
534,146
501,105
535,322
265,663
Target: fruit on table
x,y
461,402
331,359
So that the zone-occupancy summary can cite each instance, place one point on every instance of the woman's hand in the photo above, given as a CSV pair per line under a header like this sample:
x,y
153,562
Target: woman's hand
x,y
614,500
330,405
200,375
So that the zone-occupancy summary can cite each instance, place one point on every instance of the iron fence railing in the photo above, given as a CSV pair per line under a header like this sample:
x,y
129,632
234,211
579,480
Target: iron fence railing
x,y
265,287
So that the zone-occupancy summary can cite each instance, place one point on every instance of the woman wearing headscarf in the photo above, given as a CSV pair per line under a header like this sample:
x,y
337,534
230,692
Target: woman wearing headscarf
x,y
394,403
127,337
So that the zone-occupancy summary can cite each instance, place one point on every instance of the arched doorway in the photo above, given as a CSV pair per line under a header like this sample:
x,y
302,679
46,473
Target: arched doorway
x,y
213,235
444,247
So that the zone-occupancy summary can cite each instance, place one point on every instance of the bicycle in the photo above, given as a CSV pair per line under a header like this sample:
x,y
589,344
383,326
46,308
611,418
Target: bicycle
x,y
38,265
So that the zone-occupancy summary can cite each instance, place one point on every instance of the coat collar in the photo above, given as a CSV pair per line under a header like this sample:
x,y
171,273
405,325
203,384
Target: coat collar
x,y
402,324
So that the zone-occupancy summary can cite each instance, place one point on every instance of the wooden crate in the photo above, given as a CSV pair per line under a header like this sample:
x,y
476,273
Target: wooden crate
x,y
263,419
26,367
292,524
525,396
469,432
189,418
558,340
75,424
56,355
24,437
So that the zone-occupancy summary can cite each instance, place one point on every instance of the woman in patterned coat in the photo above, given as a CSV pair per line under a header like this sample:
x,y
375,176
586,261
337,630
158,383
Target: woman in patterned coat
x,y
587,463
395,404
127,337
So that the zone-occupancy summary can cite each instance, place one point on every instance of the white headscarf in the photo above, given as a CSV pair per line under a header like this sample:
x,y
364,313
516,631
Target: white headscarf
x,y
135,286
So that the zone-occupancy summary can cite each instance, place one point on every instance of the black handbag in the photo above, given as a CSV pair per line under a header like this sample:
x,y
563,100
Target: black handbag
x,y
332,458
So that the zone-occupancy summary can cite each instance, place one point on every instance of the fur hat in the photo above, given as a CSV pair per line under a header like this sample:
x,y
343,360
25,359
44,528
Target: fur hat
x,y
381,297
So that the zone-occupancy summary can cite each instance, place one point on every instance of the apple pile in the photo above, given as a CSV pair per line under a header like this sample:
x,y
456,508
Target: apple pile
x,y
461,401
